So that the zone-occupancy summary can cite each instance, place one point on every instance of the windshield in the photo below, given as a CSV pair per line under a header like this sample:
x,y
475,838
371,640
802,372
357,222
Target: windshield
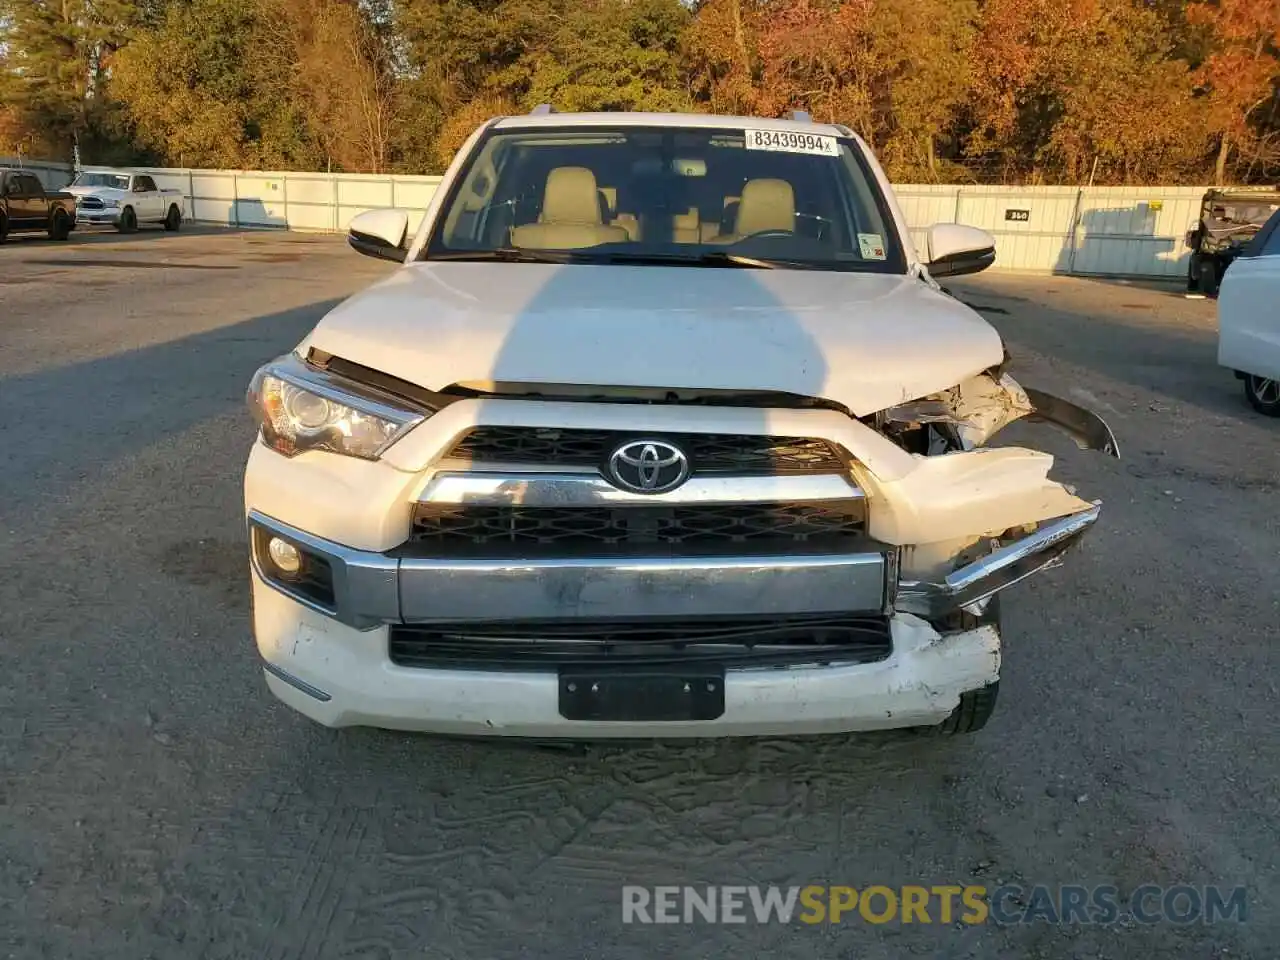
x,y
669,196
116,180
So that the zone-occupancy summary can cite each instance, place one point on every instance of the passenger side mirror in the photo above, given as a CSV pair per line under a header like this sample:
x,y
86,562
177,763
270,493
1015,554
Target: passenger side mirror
x,y
955,249
380,233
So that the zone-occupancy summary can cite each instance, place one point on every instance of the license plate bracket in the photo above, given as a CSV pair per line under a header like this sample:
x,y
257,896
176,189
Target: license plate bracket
x,y
648,695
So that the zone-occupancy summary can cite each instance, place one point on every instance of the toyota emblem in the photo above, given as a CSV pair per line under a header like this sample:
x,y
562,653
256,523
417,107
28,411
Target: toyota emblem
x,y
648,466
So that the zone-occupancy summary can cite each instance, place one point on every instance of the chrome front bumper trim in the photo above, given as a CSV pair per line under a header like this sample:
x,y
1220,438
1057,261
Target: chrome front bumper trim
x,y
372,588
589,489
999,569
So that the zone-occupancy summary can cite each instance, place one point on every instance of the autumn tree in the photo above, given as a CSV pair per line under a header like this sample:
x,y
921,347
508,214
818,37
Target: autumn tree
x,y
56,66
1240,74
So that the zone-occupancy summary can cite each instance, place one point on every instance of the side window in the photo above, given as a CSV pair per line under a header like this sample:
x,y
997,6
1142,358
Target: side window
x,y
29,186
143,185
1269,238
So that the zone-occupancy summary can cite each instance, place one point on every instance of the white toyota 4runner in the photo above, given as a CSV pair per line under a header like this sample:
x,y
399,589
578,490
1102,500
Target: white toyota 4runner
x,y
664,428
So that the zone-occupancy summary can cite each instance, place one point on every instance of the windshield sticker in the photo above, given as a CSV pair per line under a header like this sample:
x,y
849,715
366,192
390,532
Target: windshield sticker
x,y
787,141
871,245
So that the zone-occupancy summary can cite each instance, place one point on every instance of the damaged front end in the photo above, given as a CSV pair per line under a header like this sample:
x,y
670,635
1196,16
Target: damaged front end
x,y
972,520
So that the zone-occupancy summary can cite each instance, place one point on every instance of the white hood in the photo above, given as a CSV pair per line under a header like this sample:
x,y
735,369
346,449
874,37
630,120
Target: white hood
x,y
867,341
106,193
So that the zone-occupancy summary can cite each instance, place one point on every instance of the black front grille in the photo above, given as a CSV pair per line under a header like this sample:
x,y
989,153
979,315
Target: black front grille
x,y
90,203
825,522
707,452
728,642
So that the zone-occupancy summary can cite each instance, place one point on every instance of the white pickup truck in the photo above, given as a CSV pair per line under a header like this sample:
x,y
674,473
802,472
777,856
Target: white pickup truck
x,y
662,428
124,200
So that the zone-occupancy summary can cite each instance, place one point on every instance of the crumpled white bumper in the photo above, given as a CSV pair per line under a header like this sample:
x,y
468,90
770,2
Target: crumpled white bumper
x,y
341,677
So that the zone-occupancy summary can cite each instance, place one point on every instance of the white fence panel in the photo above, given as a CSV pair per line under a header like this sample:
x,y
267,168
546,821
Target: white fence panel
x,y
1098,231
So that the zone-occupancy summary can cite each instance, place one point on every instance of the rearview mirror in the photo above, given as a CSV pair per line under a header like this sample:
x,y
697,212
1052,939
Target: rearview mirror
x,y
955,249
380,233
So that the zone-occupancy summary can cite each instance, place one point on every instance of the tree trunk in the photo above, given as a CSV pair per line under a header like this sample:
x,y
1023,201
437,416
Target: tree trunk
x,y
1220,168
739,34
933,160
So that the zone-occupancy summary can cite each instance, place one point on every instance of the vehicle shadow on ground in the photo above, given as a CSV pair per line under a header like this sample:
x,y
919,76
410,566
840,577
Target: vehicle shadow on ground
x,y
128,401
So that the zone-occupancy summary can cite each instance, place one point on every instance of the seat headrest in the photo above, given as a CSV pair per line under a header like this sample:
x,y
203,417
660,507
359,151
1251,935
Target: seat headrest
x,y
766,205
571,197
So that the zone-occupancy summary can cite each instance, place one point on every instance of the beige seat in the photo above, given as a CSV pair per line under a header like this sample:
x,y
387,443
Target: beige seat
x,y
570,217
765,205
686,227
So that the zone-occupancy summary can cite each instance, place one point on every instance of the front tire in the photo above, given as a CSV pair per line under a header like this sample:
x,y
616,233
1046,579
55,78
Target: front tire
x,y
128,221
173,220
976,706
1263,394
60,226
4,228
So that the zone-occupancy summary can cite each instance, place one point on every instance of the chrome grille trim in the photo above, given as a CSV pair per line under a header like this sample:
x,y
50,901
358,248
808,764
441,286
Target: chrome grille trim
x,y
589,489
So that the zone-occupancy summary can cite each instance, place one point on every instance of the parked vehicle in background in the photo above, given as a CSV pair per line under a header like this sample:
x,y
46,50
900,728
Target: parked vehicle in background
x,y
662,428
1249,319
1229,219
124,200
26,205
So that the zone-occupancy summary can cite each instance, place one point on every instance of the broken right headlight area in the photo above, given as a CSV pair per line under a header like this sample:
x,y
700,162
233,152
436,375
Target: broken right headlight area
x,y
972,412
1017,531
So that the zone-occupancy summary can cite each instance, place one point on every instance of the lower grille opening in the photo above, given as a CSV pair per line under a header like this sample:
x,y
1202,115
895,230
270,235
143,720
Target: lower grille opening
x,y
726,642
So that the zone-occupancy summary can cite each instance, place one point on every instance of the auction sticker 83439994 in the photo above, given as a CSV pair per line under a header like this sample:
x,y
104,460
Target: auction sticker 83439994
x,y
790,141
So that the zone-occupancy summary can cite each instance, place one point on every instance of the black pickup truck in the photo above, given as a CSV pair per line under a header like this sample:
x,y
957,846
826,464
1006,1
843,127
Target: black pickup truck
x,y
26,205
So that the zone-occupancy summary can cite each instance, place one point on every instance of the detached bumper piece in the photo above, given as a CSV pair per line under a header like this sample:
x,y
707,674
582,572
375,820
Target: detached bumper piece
x,y
997,570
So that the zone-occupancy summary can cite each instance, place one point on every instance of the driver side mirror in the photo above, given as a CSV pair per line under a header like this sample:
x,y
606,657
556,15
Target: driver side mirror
x,y
955,249
380,234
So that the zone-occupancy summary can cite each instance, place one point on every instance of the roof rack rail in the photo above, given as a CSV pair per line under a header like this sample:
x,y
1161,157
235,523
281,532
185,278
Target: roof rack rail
x,y
800,115
542,109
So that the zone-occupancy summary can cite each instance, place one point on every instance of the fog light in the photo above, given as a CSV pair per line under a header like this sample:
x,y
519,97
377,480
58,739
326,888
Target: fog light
x,y
284,555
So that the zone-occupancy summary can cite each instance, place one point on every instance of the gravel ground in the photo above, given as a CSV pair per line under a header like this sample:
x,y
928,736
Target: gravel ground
x,y
157,803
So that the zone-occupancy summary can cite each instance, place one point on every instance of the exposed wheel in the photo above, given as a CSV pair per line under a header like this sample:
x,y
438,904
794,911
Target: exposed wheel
x,y
4,228
1263,394
128,220
60,227
972,713
173,220
976,706
1193,273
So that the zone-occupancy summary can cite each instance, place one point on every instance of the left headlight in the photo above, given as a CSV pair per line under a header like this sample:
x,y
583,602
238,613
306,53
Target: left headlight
x,y
300,407
110,204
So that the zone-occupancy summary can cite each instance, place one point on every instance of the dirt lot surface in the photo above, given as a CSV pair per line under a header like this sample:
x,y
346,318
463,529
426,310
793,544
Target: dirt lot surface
x,y
155,801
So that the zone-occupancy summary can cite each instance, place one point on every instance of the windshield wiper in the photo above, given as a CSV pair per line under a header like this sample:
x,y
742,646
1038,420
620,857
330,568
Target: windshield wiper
x,y
714,258
711,258
510,255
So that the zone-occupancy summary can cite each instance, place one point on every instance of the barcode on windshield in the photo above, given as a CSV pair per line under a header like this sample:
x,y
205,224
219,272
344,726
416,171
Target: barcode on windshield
x,y
787,141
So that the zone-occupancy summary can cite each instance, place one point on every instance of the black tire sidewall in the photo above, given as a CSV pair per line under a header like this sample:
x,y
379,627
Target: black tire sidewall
x,y
173,219
1270,408
60,228
128,221
4,228
1209,280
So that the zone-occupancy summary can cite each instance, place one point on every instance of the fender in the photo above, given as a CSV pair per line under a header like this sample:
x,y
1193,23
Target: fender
x,y
1086,428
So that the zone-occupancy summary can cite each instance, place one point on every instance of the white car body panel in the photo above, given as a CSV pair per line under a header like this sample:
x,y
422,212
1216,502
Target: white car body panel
x,y
852,338
614,335
1249,317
